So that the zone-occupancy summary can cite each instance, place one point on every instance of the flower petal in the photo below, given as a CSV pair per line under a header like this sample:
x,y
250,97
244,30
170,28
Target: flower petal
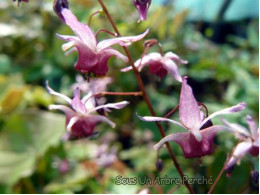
x,y
118,105
252,126
240,131
175,58
240,151
51,91
76,103
189,110
81,30
65,109
172,69
101,68
159,119
189,144
99,118
229,110
109,42
71,122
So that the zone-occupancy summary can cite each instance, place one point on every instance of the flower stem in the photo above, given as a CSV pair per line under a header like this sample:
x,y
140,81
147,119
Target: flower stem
x,y
106,31
172,111
91,16
221,171
145,97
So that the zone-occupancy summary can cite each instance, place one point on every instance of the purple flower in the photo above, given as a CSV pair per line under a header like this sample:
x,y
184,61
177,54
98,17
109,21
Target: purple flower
x,y
249,142
196,142
160,65
19,1
92,56
81,117
142,7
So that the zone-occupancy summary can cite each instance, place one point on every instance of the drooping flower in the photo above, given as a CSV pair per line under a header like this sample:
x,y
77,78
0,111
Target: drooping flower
x,y
160,65
198,141
19,1
92,56
249,142
81,116
142,7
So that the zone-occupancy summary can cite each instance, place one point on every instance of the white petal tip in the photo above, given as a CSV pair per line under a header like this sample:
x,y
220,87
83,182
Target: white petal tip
x,y
197,135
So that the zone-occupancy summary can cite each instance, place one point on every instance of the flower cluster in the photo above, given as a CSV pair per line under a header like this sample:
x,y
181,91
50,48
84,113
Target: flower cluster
x,y
83,114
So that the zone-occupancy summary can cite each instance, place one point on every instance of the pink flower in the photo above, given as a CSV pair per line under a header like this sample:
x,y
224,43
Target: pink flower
x,y
81,117
92,56
160,65
142,7
198,141
249,142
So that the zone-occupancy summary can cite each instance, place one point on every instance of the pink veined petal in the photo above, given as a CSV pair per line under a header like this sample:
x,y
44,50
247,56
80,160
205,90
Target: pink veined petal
x,y
190,146
87,59
101,68
99,118
145,60
81,30
189,110
76,103
51,91
109,42
229,110
172,69
237,129
118,105
240,151
159,119
252,126
68,111
175,58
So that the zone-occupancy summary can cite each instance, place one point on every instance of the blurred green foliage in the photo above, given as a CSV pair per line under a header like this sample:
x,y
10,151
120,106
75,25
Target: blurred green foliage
x,y
31,150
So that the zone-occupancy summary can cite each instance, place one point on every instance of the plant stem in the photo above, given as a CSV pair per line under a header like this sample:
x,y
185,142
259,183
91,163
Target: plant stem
x,y
221,171
145,97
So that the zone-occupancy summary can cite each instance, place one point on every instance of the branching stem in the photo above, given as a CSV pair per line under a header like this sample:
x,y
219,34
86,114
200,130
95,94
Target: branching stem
x,y
145,96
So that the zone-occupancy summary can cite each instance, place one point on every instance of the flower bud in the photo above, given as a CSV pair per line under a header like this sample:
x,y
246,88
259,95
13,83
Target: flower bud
x,y
159,165
58,5
142,7
254,176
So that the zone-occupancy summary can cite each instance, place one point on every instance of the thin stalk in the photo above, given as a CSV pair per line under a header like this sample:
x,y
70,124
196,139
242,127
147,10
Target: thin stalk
x,y
113,93
221,171
172,111
145,97
106,31
91,16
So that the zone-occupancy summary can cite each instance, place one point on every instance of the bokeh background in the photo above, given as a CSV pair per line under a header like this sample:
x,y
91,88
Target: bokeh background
x,y
218,38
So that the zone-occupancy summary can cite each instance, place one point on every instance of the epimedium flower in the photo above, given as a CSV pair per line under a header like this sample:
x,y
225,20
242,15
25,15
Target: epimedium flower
x,y
81,115
93,56
142,7
160,65
249,142
198,141
94,86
